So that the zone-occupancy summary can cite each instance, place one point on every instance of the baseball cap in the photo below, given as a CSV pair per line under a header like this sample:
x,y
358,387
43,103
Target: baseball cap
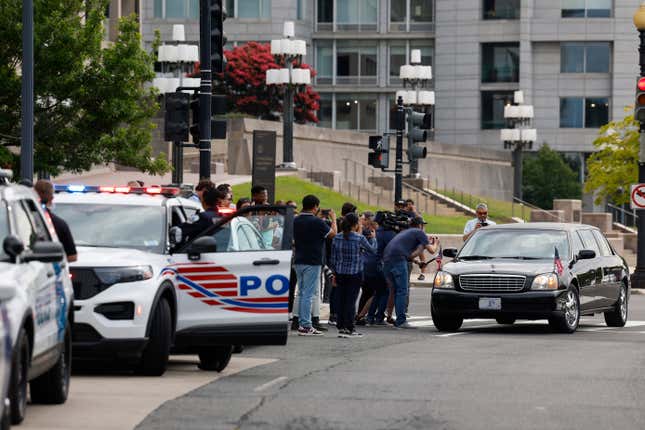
x,y
400,203
418,221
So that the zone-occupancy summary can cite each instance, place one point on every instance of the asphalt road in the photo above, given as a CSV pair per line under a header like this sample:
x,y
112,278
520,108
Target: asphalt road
x,y
485,377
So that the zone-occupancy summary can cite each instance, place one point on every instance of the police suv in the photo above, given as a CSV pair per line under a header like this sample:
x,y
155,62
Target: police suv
x,y
7,292
38,312
141,292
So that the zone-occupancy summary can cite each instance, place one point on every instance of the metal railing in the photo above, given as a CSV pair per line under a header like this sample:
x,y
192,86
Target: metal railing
x,y
621,215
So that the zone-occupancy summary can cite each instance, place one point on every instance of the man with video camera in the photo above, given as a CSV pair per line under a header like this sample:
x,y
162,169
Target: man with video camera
x,y
481,221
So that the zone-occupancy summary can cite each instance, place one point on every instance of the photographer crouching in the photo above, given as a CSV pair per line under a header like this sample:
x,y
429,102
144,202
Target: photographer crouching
x,y
481,221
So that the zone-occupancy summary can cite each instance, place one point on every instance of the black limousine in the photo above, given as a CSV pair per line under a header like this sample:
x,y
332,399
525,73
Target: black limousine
x,y
532,271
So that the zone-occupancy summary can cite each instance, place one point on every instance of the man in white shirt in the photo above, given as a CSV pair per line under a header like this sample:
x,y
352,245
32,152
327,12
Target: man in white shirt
x,y
481,221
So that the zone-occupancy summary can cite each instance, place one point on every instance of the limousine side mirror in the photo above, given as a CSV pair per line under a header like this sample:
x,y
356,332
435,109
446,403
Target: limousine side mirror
x,y
586,254
450,252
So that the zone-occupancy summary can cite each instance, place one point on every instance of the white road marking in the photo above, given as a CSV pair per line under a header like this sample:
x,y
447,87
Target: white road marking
x,y
269,384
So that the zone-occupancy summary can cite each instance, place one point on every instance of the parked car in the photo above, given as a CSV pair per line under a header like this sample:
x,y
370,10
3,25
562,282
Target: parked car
x,y
7,292
532,271
41,310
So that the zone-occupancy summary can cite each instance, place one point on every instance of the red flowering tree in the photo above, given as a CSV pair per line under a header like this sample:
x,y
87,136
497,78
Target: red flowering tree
x,y
245,85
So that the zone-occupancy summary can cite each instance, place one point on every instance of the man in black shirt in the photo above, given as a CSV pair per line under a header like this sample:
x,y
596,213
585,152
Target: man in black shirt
x,y
309,234
210,199
45,191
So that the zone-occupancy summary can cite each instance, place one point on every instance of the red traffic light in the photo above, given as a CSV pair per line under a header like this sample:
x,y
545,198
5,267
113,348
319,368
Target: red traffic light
x,y
641,84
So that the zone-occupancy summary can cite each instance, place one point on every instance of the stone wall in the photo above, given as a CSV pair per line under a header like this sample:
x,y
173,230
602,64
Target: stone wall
x,y
471,169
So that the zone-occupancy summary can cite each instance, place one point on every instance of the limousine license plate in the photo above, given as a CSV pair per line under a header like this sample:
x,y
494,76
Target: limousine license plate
x,y
490,303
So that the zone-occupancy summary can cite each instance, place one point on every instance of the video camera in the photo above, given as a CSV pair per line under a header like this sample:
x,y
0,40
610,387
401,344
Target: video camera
x,y
392,221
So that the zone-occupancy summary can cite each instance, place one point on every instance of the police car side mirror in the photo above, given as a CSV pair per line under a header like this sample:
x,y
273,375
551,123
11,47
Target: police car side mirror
x,y
7,291
46,251
201,245
13,247
175,236
450,252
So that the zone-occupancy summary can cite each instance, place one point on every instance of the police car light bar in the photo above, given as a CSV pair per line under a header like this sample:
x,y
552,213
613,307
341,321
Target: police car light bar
x,y
153,190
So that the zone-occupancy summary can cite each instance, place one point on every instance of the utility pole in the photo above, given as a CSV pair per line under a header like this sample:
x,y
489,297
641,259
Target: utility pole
x,y
27,102
206,88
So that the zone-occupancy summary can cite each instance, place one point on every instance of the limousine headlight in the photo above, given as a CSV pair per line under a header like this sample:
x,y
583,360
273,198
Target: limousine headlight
x,y
443,280
547,281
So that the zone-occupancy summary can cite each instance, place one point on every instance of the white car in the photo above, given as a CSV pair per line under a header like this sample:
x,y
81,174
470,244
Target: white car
x,y
7,292
140,292
40,312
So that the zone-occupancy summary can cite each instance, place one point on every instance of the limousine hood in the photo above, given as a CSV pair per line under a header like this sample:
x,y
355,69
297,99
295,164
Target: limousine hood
x,y
500,266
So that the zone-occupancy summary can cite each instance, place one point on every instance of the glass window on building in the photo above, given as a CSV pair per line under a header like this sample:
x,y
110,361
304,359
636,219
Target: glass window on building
x,y
158,8
300,9
356,112
397,58
325,11
325,112
596,112
586,8
356,14
577,57
253,9
500,62
421,10
578,112
176,9
501,9
492,104
324,61
367,112
398,13
230,8
356,62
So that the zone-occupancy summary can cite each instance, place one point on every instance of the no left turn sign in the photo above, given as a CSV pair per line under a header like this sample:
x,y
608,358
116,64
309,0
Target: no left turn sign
x,y
638,196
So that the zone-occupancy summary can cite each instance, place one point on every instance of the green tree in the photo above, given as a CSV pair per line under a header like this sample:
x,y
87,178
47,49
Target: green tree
x,y
91,103
614,167
547,176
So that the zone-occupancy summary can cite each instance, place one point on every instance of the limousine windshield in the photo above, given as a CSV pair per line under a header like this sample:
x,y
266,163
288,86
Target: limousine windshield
x,y
523,244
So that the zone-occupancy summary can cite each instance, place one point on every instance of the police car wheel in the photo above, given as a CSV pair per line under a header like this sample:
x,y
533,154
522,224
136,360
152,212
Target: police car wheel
x,y
238,349
215,358
52,387
155,356
19,372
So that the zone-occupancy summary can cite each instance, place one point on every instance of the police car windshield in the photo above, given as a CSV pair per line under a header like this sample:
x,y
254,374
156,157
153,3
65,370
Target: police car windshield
x,y
519,244
115,226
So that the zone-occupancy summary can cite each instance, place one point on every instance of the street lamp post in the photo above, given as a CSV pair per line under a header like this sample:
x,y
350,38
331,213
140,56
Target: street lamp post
x,y
520,135
416,77
287,51
638,277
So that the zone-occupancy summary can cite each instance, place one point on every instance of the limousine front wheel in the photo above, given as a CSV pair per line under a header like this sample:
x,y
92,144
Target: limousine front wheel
x,y
446,322
568,321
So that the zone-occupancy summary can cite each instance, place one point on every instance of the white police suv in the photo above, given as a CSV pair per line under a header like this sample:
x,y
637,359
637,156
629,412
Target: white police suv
x,y
7,292
39,312
140,292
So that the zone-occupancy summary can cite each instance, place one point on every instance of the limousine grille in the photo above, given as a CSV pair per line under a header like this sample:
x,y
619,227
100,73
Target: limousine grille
x,y
493,283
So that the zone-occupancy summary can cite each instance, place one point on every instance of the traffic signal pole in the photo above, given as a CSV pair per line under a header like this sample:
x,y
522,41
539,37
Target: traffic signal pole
x,y
638,277
27,101
205,90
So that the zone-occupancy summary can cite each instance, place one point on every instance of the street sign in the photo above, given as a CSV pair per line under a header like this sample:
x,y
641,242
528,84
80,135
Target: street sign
x,y
638,196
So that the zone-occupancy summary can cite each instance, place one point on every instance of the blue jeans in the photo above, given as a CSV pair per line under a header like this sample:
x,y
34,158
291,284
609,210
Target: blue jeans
x,y
308,277
379,302
397,273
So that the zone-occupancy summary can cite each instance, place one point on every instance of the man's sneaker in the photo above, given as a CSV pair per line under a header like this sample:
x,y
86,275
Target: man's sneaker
x,y
405,325
343,333
355,334
315,323
421,277
332,319
309,331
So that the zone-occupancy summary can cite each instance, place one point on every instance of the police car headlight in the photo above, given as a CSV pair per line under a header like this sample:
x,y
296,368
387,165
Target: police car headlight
x,y
117,275
547,281
443,280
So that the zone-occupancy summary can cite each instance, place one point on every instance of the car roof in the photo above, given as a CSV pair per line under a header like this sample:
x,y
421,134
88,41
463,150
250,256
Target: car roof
x,y
111,198
15,192
558,226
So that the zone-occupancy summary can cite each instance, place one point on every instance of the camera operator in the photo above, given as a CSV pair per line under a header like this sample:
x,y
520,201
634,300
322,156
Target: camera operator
x,y
404,247
481,221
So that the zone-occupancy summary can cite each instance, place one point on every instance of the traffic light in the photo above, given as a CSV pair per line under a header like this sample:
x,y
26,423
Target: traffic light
x,y
380,157
639,109
218,39
418,123
194,108
176,117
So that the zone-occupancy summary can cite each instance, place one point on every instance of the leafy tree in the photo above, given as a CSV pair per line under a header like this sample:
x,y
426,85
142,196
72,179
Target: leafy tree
x,y
547,176
614,167
91,105
245,84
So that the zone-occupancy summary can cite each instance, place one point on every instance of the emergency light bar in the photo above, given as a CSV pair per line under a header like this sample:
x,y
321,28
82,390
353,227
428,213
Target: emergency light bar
x,y
153,190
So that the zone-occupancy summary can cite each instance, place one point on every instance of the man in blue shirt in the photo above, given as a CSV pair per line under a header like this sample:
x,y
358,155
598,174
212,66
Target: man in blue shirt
x,y
405,246
376,314
309,233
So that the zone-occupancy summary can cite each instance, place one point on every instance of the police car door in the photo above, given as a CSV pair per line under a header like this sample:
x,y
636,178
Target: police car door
x,y
237,275
39,278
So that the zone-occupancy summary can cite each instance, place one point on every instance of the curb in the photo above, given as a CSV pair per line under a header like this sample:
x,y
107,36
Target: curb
x,y
638,291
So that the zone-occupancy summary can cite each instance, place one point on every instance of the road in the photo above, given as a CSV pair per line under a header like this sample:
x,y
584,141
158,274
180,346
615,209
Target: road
x,y
484,377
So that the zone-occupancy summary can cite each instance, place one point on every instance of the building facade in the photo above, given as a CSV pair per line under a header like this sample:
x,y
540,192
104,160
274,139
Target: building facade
x,y
575,60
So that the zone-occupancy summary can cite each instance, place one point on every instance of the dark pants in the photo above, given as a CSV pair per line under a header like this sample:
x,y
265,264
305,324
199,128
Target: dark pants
x,y
367,291
293,280
379,304
347,287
